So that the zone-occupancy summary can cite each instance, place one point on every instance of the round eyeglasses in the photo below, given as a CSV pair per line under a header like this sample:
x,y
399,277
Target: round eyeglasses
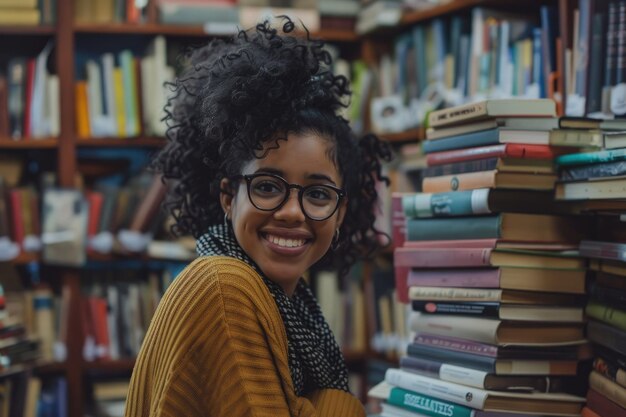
x,y
268,192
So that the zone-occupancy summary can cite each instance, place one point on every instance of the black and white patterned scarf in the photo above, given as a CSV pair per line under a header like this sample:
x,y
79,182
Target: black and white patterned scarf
x,y
315,360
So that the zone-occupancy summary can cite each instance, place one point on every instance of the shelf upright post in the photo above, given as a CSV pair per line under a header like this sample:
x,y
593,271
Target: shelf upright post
x,y
66,170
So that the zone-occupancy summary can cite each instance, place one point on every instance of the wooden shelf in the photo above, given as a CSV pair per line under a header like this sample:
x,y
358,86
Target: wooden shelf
x,y
139,29
190,31
44,30
51,368
46,143
351,356
147,142
412,135
25,257
119,365
454,6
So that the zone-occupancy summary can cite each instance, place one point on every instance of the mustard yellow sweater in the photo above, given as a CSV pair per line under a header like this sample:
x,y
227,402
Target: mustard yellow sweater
x,y
217,347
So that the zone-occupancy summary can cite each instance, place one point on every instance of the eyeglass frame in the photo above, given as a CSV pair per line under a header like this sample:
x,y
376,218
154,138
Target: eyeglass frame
x,y
340,193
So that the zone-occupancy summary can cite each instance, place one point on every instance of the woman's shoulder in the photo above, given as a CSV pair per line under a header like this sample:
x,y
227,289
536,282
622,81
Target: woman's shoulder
x,y
224,276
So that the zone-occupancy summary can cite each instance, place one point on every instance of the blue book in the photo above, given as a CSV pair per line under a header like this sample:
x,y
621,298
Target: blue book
x,y
467,140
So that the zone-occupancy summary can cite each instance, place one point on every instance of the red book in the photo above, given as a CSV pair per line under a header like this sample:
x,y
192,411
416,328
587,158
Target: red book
x,y
98,310
511,150
402,288
398,221
95,200
15,200
455,278
603,406
441,258
28,96
588,412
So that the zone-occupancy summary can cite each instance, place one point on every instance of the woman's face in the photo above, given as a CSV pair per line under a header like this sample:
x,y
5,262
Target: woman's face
x,y
284,243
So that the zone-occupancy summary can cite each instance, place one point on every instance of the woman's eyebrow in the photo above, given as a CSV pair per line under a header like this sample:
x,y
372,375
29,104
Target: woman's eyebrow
x,y
314,176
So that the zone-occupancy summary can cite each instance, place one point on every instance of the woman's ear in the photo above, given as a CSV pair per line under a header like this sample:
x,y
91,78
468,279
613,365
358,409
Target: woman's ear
x,y
342,212
226,195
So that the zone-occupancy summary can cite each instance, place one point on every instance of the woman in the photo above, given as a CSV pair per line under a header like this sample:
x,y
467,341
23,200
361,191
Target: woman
x,y
272,182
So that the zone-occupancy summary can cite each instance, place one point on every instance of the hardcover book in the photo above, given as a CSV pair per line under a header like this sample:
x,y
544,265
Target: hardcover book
x,y
505,226
511,278
490,109
485,400
497,332
497,366
479,379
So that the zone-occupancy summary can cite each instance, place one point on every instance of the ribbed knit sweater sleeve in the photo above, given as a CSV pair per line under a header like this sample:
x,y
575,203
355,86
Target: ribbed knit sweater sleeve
x,y
217,347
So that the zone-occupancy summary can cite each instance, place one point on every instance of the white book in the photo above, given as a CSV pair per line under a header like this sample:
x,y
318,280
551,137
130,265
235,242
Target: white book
x,y
97,120
159,50
52,114
108,65
37,125
550,403
112,315
147,91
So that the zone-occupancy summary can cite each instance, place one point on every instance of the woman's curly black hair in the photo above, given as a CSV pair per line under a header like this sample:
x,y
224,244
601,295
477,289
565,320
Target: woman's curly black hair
x,y
237,96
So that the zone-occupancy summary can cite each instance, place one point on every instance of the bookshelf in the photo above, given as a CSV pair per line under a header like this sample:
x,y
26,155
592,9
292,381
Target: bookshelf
x,y
66,33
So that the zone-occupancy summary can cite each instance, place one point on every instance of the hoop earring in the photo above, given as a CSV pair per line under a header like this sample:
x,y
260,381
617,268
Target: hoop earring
x,y
335,244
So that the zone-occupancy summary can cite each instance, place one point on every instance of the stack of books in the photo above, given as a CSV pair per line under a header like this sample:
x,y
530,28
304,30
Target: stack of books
x,y
606,328
596,176
491,269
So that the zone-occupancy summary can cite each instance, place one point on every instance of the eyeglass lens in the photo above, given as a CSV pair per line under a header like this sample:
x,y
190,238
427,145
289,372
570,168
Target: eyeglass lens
x,y
269,192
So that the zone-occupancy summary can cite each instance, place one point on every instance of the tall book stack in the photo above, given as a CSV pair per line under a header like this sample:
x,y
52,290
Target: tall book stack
x,y
490,268
606,328
594,179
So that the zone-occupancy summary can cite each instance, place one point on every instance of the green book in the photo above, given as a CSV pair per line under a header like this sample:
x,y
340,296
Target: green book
x,y
610,315
427,406
587,158
474,227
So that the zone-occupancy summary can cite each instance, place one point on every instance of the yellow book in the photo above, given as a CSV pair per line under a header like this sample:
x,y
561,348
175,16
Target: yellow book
x,y
19,16
120,104
83,129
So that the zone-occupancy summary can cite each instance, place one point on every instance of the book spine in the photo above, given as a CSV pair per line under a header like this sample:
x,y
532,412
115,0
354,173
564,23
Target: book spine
x,y
461,167
444,371
452,244
460,182
486,309
603,250
454,294
462,155
611,296
426,405
576,138
468,140
607,336
446,204
442,390
468,360
441,258
611,169
608,388
484,227
610,315
457,114
456,344
610,371
591,157
466,278
602,405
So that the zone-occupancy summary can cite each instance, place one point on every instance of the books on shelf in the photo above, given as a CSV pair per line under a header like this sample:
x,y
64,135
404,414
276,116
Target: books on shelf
x,y
123,95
